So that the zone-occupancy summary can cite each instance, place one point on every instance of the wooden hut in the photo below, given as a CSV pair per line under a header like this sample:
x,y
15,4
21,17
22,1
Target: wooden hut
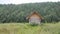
x,y
34,18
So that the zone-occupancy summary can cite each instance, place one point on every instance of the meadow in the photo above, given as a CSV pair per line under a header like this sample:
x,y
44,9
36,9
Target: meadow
x,y
21,28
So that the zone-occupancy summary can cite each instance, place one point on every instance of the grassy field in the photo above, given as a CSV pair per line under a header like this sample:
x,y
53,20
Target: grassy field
x,y
20,28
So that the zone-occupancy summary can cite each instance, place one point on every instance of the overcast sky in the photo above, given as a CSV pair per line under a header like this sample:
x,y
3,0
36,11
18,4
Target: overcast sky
x,y
24,1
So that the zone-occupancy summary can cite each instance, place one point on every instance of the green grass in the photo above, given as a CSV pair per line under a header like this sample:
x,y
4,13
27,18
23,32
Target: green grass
x,y
20,28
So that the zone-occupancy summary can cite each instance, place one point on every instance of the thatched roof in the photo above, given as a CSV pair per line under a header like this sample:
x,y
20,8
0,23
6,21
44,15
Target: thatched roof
x,y
32,14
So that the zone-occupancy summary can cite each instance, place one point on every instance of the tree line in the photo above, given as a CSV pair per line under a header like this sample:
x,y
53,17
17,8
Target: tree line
x,y
50,11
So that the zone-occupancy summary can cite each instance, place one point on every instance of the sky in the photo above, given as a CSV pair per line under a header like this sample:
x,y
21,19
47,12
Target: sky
x,y
24,1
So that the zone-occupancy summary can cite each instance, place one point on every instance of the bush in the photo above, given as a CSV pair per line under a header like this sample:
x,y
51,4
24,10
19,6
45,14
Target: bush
x,y
34,24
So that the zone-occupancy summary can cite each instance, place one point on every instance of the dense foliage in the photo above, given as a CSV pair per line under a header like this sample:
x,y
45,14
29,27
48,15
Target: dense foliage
x,y
50,11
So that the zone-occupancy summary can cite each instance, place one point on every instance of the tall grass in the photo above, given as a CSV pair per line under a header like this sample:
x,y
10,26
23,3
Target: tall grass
x,y
20,28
